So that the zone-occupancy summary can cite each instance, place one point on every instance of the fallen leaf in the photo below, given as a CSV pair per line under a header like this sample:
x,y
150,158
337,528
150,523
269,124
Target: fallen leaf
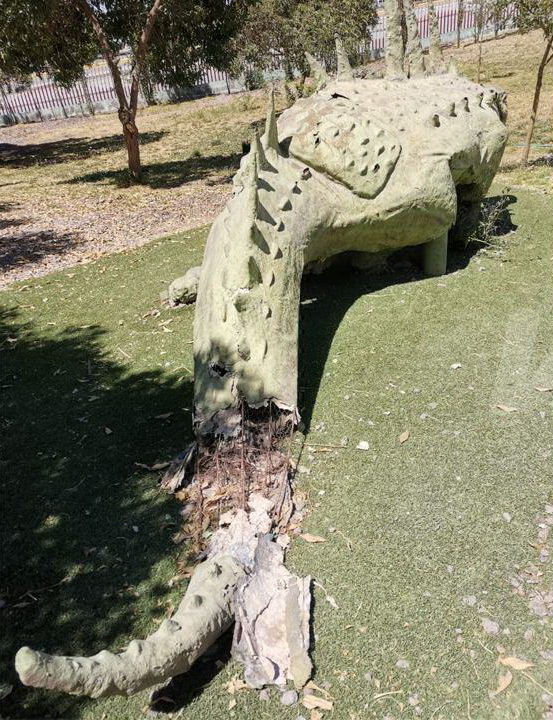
x,y
234,685
5,690
505,679
456,366
232,703
316,715
404,437
163,416
491,627
312,538
516,663
312,702
151,313
330,600
155,466
108,431
543,389
506,408
362,445
313,686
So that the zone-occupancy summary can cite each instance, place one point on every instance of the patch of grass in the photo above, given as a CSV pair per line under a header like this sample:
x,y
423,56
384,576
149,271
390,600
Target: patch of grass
x,y
410,528
424,519
85,369
84,150
511,63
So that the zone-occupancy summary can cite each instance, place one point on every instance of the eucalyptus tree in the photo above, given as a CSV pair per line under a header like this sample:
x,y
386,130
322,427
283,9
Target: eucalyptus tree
x,y
532,15
168,40
289,28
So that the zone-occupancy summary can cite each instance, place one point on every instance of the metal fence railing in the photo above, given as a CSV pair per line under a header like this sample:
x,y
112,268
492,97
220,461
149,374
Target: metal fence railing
x,y
94,92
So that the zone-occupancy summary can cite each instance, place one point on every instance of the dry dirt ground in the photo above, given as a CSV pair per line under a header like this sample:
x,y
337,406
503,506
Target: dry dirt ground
x,y
64,191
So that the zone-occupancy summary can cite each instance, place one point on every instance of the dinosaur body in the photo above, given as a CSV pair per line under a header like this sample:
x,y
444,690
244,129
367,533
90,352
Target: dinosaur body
x,y
362,166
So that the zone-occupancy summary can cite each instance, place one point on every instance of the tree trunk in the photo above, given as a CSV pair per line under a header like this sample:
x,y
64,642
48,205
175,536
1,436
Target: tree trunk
x,y
127,109
460,18
87,94
403,21
536,102
131,135
479,72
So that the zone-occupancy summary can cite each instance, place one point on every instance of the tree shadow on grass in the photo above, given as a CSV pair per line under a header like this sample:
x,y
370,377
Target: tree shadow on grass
x,y
6,223
326,298
541,161
60,151
172,173
73,424
83,529
18,248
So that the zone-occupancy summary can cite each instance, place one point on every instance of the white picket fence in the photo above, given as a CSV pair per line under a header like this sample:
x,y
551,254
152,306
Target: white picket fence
x,y
44,99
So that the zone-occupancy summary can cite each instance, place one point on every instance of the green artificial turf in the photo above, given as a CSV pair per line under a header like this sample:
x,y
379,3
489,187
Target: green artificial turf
x,y
412,528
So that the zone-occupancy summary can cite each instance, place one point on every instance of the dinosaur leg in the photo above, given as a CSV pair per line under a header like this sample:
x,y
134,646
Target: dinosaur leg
x,y
435,256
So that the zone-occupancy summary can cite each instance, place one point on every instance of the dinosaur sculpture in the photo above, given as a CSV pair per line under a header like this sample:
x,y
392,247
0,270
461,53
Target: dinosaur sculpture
x,y
360,167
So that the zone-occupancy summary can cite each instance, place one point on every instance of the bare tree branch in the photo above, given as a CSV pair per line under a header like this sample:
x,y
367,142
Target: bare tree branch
x,y
107,51
142,47
141,50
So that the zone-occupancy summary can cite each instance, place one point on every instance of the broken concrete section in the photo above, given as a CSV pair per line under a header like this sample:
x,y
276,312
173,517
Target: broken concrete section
x,y
271,638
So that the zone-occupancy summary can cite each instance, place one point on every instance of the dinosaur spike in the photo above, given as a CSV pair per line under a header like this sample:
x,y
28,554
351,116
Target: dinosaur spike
x,y
394,43
270,138
317,70
436,55
342,62
416,58
248,180
262,162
